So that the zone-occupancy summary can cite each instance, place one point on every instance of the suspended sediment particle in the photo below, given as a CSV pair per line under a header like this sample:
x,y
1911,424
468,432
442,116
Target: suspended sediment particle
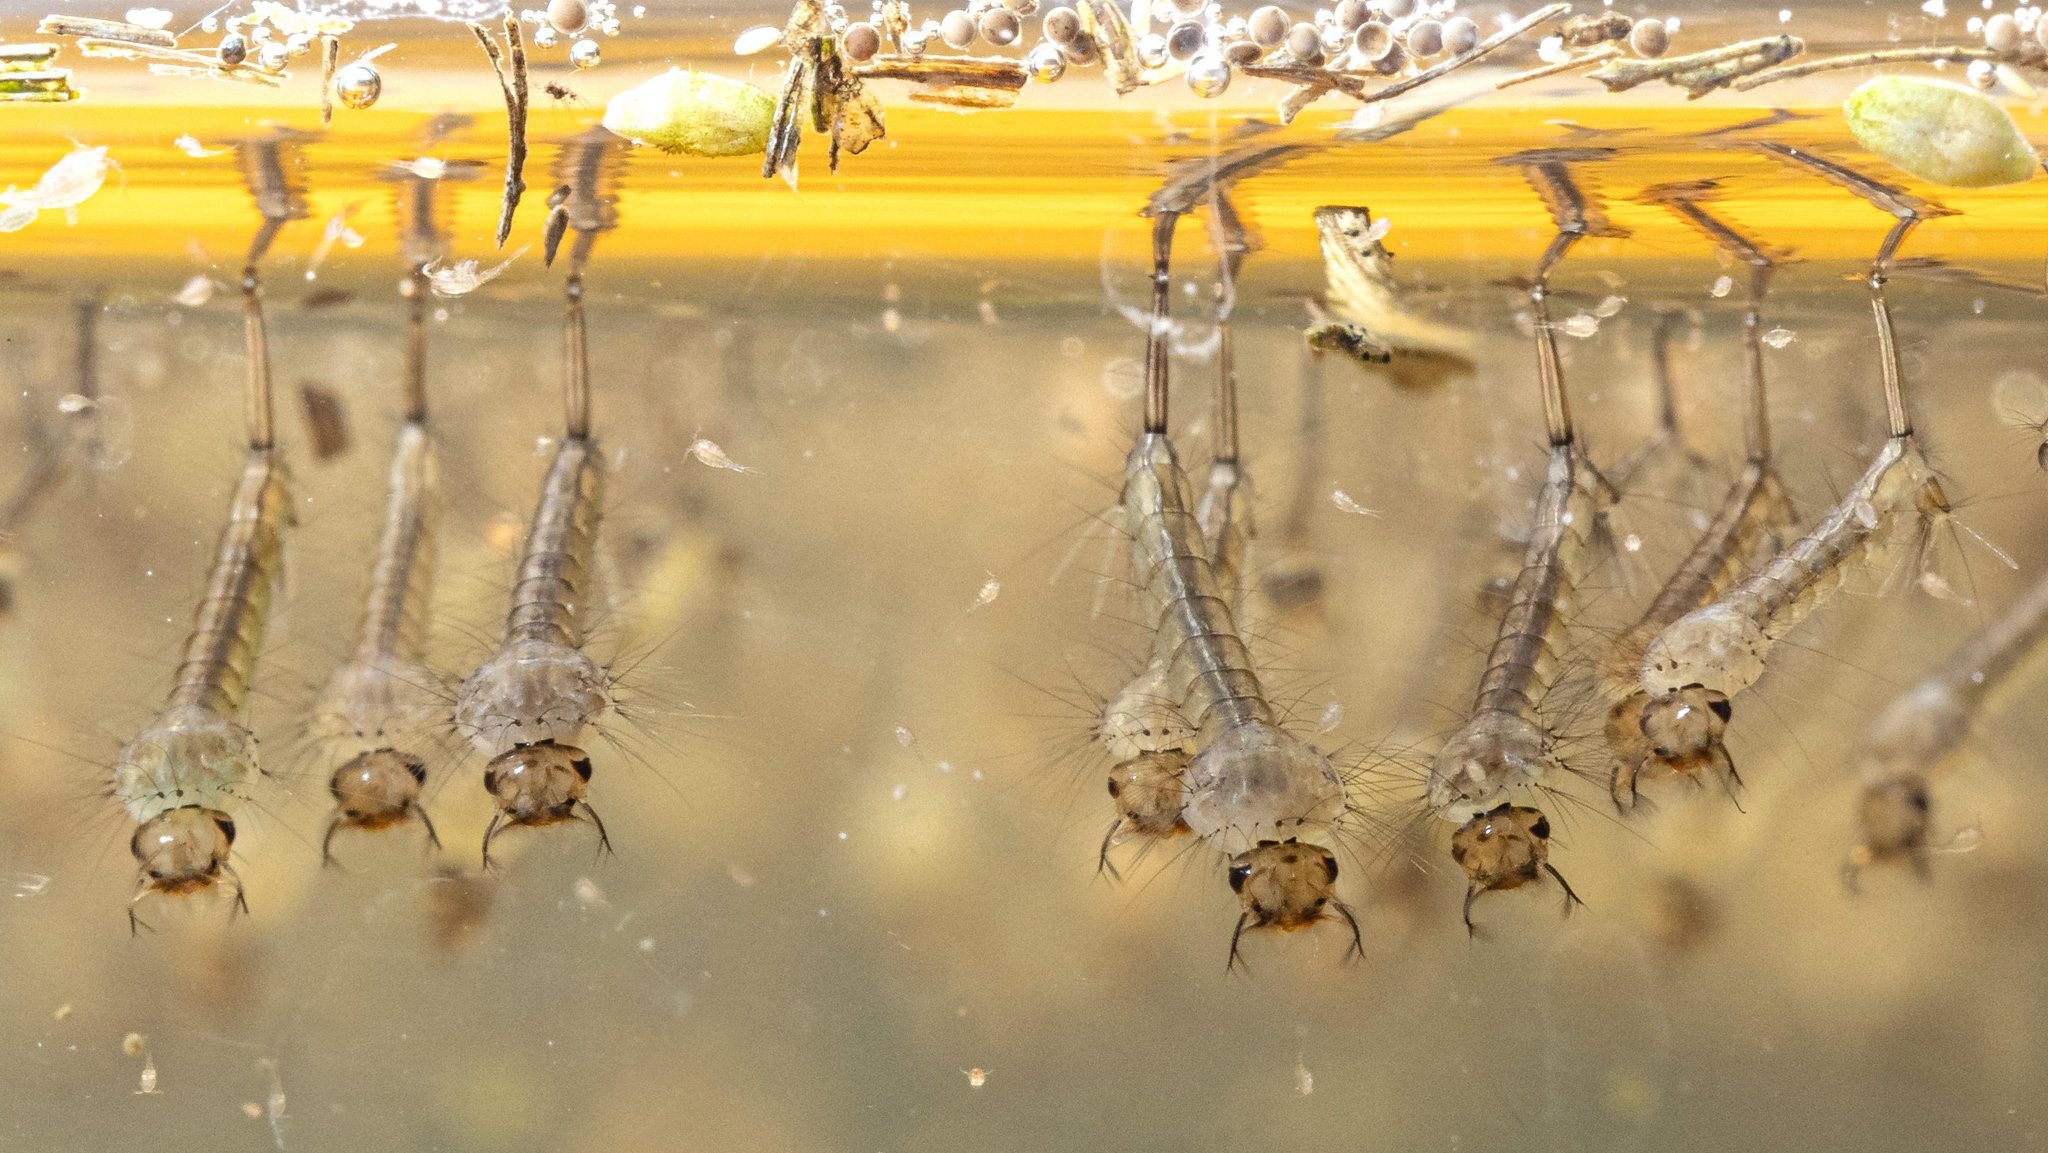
x,y
1939,132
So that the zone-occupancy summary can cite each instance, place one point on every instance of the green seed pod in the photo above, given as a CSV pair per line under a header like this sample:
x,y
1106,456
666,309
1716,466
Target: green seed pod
x,y
1939,132
695,113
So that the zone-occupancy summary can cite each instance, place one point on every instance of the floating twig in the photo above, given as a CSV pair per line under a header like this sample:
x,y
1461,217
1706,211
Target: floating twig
x,y
512,81
1701,72
105,30
1956,55
1598,55
1483,48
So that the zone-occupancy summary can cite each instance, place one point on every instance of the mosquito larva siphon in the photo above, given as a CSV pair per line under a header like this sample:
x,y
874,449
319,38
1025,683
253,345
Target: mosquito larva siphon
x,y
526,706
1698,663
1141,725
1504,745
181,778
1920,732
384,698
1754,521
1254,791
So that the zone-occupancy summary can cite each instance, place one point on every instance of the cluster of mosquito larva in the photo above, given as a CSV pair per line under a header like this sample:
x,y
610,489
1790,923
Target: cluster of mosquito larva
x,y
384,710
1199,747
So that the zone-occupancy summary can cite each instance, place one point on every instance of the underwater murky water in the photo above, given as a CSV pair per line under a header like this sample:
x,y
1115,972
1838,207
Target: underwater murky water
x,y
855,902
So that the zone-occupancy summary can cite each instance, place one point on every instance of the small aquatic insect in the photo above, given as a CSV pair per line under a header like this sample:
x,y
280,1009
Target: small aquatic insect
x,y
1698,663
181,778
561,92
528,705
1255,792
1754,521
380,702
64,186
977,1076
1504,745
1920,733
1377,324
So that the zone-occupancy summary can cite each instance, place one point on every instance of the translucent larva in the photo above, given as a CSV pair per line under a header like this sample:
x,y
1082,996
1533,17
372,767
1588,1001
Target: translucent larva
x,y
1753,522
381,704
1505,746
1694,668
182,777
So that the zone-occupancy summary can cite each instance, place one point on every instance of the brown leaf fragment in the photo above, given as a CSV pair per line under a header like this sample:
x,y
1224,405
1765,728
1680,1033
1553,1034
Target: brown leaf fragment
x,y
960,98
978,71
786,131
859,124
55,25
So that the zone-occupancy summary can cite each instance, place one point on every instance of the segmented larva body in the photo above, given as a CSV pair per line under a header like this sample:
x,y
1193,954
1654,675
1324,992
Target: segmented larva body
x,y
383,692
1252,781
540,686
1723,647
1504,744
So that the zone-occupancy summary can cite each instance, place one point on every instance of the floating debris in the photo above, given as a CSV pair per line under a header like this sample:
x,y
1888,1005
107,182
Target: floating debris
x,y
758,39
1701,72
127,33
326,421
466,276
196,292
707,452
1345,503
512,80
693,113
27,78
990,590
190,146
1939,132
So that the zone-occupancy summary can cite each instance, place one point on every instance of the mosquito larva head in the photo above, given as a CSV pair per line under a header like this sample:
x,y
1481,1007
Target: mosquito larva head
x,y
378,788
182,850
1684,728
1147,791
1284,884
538,784
1504,848
1895,820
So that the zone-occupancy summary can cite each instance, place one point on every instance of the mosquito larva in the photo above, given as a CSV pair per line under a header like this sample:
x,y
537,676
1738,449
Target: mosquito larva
x,y
527,706
1504,745
1697,664
1141,725
384,698
181,778
1255,792
1920,732
1754,519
